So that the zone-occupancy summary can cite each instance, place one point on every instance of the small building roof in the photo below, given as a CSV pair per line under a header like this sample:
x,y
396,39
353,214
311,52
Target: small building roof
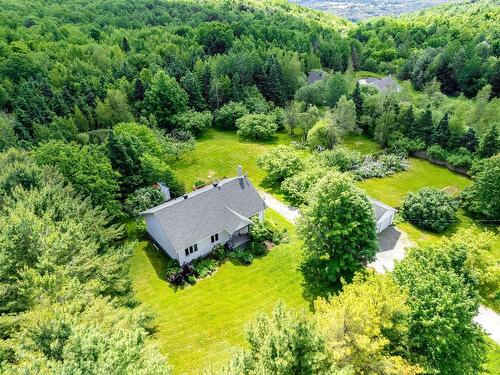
x,y
380,208
315,76
227,205
385,84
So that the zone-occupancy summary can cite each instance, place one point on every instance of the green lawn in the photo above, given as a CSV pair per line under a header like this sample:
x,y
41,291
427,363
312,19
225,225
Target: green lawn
x,y
199,325
218,153
493,358
361,143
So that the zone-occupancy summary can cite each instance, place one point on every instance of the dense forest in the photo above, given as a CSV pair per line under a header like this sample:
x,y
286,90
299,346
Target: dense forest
x,y
98,100
457,44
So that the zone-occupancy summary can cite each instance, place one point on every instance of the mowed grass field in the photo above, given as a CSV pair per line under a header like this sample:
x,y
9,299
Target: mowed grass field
x,y
198,326
218,154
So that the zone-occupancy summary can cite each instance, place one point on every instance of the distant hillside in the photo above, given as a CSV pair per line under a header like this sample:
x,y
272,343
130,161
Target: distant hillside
x,y
361,9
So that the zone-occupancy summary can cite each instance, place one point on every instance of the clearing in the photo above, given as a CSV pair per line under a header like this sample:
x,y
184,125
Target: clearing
x,y
199,325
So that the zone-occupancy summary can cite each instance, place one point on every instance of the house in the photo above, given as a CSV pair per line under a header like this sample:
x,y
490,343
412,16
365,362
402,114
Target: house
x,y
385,84
189,227
384,215
315,76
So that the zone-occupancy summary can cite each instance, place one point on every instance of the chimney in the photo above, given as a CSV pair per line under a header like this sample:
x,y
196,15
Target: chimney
x,y
165,191
240,171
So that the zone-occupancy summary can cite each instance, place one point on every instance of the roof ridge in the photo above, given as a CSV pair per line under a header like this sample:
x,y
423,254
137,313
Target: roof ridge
x,y
191,194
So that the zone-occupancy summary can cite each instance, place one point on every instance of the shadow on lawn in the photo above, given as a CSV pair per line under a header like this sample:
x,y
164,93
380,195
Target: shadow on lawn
x,y
317,281
158,260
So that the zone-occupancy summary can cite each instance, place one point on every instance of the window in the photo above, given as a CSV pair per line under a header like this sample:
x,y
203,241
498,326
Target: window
x,y
191,249
214,238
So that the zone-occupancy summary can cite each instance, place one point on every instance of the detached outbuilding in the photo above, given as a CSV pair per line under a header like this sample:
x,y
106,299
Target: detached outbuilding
x,y
189,227
384,215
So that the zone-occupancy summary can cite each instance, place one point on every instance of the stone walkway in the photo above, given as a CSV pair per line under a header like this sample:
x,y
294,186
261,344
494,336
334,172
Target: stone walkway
x,y
392,245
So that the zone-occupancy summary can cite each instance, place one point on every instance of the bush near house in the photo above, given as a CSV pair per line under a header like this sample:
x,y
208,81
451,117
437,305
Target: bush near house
x,y
262,234
430,209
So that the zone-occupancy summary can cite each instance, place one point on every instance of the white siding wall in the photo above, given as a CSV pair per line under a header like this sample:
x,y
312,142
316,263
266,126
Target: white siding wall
x,y
205,246
385,221
155,231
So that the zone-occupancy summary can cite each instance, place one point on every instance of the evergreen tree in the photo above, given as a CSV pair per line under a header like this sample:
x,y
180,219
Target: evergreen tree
x,y
358,100
469,140
490,144
272,84
425,125
124,44
408,122
441,132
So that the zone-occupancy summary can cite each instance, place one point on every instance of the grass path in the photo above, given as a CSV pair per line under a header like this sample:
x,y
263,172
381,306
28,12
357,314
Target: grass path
x,y
199,325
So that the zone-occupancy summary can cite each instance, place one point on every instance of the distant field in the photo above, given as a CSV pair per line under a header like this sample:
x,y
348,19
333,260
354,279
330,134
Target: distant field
x,y
199,325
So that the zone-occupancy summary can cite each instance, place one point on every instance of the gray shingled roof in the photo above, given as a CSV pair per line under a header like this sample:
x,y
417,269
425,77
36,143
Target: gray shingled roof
x,y
207,211
315,76
385,84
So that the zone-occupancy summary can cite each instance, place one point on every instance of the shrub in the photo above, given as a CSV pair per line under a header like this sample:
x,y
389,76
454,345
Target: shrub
x,y
384,165
437,152
142,199
259,231
256,126
430,209
192,121
225,117
462,158
481,198
241,256
393,163
257,249
280,163
341,158
404,146
205,267
199,184
219,253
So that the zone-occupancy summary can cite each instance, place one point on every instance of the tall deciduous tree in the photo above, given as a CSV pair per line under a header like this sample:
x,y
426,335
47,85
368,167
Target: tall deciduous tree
x,y
490,144
165,99
364,325
338,227
443,304
336,87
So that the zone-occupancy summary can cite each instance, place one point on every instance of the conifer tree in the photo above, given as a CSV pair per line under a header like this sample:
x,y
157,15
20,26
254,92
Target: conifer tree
x,y
358,100
442,132
469,140
425,126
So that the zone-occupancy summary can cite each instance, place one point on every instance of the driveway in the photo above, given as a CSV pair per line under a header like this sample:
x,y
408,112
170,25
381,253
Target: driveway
x,y
392,246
